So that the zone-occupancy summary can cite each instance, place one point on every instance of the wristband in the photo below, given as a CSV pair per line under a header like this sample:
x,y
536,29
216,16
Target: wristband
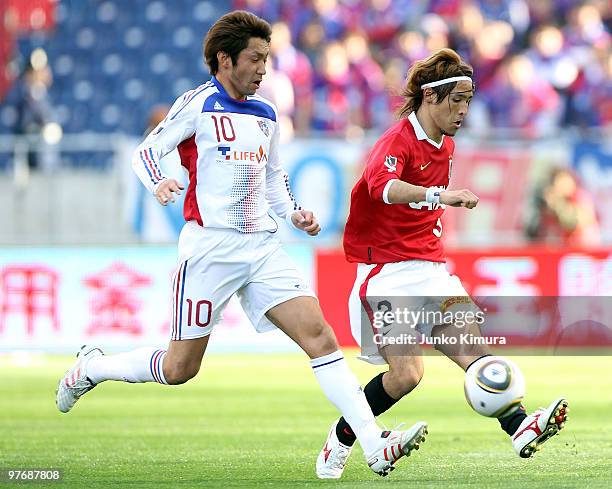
x,y
432,195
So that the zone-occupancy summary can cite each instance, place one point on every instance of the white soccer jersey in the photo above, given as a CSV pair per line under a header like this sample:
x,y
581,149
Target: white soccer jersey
x,y
230,150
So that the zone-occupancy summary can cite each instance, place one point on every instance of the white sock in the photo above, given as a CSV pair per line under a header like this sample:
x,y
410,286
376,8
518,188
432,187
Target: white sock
x,y
341,387
141,365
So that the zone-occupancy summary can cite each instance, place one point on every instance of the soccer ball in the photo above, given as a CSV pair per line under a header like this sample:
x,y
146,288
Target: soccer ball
x,y
494,386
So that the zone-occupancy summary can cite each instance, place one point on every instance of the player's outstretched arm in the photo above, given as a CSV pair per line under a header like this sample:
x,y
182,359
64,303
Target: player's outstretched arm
x,y
306,221
164,193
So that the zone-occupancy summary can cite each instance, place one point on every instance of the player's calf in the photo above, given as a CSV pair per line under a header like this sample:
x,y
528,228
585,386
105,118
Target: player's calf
x,y
179,373
183,360
405,373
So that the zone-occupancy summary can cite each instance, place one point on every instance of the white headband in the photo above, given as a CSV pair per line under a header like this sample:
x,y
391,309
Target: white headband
x,y
445,81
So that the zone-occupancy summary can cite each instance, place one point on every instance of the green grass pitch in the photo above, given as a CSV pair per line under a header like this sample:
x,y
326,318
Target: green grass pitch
x,y
260,420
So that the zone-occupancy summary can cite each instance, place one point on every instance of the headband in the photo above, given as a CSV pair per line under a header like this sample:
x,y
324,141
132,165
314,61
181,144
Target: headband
x,y
445,81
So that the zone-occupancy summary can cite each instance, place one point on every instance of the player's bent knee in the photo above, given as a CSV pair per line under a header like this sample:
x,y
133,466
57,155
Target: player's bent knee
x,y
323,340
180,373
328,337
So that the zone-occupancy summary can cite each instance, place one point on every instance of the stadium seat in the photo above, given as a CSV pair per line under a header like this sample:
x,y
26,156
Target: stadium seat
x,y
113,60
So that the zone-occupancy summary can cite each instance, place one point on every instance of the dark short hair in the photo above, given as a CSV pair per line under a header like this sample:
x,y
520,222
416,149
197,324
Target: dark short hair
x,y
231,34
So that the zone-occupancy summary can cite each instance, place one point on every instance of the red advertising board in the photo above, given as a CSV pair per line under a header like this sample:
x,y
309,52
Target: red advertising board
x,y
526,272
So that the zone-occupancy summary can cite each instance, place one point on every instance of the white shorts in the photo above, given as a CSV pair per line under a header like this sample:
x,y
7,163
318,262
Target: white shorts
x,y
215,264
423,284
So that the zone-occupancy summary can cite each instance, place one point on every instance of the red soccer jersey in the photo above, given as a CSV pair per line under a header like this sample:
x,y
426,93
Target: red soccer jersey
x,y
379,232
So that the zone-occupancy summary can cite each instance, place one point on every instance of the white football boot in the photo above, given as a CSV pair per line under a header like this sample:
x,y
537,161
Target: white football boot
x,y
538,427
394,446
332,459
75,383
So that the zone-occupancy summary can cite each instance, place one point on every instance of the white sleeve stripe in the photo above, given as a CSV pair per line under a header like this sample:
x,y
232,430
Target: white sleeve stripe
x,y
385,194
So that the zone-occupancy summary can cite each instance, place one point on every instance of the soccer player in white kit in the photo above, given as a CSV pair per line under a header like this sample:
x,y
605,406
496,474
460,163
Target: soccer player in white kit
x,y
393,233
228,141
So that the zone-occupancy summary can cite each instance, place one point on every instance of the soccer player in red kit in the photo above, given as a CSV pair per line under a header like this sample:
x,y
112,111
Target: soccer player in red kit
x,y
394,234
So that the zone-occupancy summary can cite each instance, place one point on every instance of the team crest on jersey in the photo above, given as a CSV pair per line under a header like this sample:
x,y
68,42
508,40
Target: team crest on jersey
x,y
263,125
391,163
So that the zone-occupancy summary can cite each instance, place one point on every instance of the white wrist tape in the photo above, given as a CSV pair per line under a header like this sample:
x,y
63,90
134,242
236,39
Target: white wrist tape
x,y
432,195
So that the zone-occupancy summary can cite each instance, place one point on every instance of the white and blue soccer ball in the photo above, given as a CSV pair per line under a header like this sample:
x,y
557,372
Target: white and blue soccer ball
x,y
494,386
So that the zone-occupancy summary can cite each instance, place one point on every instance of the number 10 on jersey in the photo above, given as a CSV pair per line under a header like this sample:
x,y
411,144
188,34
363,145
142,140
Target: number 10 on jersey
x,y
224,127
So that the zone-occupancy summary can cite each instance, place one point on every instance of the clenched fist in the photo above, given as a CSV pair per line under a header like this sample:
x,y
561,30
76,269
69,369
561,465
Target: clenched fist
x,y
306,221
459,198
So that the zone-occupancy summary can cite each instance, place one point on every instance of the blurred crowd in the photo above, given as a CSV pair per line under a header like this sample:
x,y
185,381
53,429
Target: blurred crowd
x,y
540,65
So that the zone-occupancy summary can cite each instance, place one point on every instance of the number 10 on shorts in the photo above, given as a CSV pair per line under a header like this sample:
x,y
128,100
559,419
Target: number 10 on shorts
x,y
200,313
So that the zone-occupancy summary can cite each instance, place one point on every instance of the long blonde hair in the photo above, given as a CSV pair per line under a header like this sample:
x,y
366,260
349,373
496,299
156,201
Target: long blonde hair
x,y
444,63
